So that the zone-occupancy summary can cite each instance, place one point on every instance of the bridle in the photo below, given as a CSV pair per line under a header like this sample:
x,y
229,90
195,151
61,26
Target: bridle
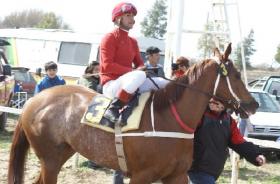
x,y
222,71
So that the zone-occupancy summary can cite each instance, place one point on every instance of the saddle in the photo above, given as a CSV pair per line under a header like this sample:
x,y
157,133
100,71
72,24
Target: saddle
x,y
130,115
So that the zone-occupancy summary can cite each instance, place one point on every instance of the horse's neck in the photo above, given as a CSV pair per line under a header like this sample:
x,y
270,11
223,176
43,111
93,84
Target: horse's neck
x,y
195,99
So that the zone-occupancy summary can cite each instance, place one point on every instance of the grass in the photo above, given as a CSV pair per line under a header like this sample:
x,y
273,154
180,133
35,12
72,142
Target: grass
x,y
250,174
6,135
5,139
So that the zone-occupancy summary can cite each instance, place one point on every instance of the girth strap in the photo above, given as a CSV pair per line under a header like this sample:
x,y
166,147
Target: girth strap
x,y
120,149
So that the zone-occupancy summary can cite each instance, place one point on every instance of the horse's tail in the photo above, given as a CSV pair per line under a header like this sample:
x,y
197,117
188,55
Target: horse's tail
x,y
19,148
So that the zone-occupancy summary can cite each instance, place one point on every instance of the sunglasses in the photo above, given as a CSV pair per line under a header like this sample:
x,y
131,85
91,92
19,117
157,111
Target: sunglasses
x,y
215,103
182,65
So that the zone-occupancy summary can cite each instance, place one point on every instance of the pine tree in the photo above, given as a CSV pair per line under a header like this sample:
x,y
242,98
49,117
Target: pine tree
x,y
154,25
277,55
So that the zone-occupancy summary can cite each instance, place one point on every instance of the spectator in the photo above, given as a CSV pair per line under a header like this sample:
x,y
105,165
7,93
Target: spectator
x,y
91,80
91,77
216,132
154,68
180,67
51,79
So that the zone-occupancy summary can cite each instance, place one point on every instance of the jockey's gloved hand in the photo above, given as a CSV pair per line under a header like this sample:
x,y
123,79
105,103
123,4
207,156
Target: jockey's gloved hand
x,y
142,68
152,71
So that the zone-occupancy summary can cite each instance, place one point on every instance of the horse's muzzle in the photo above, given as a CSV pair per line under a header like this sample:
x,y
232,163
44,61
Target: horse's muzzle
x,y
247,108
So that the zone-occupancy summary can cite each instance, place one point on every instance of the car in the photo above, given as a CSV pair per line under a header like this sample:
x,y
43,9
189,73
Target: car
x,y
24,86
269,84
7,83
265,123
258,83
272,86
25,82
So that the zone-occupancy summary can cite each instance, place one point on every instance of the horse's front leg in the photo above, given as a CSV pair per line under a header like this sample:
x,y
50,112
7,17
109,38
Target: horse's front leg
x,y
143,177
179,179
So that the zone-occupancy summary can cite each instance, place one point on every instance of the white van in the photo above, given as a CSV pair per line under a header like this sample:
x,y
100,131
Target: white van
x,y
31,48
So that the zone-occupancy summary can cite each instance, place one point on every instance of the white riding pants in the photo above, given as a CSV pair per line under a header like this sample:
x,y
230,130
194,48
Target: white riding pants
x,y
130,82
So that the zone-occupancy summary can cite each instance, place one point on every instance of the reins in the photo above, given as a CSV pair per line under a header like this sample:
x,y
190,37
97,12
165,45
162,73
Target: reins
x,y
221,72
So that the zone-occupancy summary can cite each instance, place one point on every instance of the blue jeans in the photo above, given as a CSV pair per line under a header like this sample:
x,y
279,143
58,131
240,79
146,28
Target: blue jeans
x,y
242,126
118,177
197,177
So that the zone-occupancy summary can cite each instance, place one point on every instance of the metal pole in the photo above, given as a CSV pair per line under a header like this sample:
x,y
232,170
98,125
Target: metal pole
x,y
174,32
242,46
178,33
235,156
168,40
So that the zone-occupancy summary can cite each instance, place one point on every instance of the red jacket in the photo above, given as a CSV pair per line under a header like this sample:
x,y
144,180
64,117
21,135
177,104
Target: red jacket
x,y
118,52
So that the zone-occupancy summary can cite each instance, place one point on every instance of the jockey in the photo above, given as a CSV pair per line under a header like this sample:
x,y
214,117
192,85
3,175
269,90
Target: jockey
x,y
119,53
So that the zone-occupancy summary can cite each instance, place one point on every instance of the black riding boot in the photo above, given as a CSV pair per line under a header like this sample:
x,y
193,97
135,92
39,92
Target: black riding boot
x,y
113,112
128,110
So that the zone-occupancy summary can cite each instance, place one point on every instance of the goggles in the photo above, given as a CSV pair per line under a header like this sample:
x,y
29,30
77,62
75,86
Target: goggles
x,y
128,8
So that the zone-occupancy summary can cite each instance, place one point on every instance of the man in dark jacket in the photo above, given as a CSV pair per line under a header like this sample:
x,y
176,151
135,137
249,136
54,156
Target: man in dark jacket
x,y
216,132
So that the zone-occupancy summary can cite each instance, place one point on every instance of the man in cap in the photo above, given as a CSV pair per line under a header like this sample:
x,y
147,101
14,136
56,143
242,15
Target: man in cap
x,y
154,68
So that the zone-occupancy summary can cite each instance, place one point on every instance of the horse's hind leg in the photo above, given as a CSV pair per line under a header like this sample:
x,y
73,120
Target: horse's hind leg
x,y
51,165
180,179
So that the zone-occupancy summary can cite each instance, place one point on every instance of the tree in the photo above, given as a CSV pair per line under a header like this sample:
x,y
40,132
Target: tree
x,y
51,21
248,44
277,55
33,18
154,24
208,41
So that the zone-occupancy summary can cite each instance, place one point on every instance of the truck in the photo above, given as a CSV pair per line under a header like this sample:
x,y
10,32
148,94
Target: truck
x,y
7,83
272,86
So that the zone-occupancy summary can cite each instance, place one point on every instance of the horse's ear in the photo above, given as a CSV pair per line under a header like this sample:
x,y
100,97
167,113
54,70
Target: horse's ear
x,y
217,52
227,52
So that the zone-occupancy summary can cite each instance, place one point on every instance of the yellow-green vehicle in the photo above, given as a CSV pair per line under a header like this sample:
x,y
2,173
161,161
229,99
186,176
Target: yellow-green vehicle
x,y
7,83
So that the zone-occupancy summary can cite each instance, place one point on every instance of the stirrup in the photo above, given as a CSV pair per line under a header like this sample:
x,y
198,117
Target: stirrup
x,y
106,122
122,123
111,116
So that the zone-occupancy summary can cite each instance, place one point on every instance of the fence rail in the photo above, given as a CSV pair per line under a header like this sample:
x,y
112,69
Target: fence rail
x,y
10,110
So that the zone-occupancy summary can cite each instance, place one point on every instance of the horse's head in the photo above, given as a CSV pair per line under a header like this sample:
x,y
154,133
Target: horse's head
x,y
229,87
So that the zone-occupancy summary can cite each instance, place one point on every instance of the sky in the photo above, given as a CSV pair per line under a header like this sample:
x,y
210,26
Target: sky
x,y
90,16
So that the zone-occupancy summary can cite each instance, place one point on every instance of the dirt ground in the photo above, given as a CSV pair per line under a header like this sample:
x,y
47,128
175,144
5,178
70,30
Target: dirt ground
x,y
68,175
268,174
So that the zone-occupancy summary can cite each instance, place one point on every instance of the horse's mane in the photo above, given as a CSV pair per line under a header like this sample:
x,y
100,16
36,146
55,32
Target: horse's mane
x,y
173,91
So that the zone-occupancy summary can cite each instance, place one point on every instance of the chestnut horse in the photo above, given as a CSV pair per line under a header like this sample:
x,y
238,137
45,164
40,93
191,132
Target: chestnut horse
x,y
50,124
